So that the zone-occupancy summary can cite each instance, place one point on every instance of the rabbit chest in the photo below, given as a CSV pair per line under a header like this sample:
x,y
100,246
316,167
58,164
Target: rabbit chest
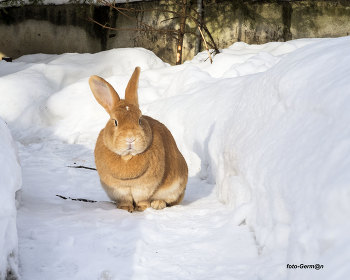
x,y
145,170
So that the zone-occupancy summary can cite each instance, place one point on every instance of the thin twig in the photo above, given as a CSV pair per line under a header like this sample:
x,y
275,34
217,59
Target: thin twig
x,y
206,46
166,11
119,10
149,28
164,31
194,34
169,19
201,23
80,166
208,56
146,10
77,199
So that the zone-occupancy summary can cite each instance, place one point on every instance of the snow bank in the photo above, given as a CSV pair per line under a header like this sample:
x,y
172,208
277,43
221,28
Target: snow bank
x,y
10,182
277,144
42,91
268,124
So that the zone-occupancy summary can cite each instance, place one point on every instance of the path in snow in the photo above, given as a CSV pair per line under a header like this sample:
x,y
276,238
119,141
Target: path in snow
x,y
61,239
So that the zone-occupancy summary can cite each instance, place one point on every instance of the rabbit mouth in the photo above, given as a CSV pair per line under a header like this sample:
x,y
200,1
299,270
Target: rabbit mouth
x,y
125,152
129,150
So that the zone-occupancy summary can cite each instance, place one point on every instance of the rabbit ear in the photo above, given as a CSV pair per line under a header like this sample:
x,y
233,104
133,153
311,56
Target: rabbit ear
x,y
104,93
131,89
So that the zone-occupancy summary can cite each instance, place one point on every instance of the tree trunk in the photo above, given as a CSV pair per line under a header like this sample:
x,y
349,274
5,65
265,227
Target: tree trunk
x,y
197,47
181,33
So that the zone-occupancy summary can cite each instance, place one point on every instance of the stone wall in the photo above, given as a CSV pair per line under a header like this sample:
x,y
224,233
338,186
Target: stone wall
x,y
64,28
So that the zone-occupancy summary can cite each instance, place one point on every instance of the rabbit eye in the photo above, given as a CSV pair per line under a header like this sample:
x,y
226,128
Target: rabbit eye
x,y
116,123
140,121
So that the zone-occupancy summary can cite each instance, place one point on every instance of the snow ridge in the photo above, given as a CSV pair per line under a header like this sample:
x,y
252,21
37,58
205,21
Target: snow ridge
x,y
10,182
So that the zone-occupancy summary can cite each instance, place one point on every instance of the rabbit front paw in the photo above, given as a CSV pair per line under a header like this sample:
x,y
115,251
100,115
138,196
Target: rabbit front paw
x,y
158,204
142,206
129,208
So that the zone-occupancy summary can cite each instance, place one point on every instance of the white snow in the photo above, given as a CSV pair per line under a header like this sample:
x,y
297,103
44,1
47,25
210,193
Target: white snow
x,y
10,182
265,133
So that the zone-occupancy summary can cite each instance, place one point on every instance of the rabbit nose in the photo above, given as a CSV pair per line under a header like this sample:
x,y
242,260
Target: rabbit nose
x,y
130,140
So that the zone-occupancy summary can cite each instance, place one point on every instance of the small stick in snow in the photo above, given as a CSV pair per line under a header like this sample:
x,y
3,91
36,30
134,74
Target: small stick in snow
x,y
77,199
80,166
205,42
208,56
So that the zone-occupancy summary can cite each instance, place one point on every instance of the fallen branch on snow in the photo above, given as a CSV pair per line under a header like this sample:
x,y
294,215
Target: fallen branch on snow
x,y
77,199
80,166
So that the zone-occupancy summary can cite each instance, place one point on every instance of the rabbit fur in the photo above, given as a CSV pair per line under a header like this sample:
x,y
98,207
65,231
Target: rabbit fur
x,y
136,156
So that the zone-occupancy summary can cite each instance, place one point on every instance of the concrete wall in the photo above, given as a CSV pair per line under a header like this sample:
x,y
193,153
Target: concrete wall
x,y
64,28
48,29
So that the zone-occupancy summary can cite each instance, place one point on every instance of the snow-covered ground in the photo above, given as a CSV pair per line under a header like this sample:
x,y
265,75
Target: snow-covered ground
x,y
265,133
10,182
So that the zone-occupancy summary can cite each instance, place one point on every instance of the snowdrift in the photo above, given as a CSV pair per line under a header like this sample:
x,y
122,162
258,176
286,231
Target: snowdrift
x,y
277,146
267,124
10,182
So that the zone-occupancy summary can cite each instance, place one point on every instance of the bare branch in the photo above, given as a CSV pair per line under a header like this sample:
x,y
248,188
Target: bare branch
x,y
80,166
144,10
206,46
201,24
119,10
133,29
76,199
194,34
177,34
169,19
208,56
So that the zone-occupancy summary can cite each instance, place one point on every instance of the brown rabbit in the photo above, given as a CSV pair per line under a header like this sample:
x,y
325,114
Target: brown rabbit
x,y
136,156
